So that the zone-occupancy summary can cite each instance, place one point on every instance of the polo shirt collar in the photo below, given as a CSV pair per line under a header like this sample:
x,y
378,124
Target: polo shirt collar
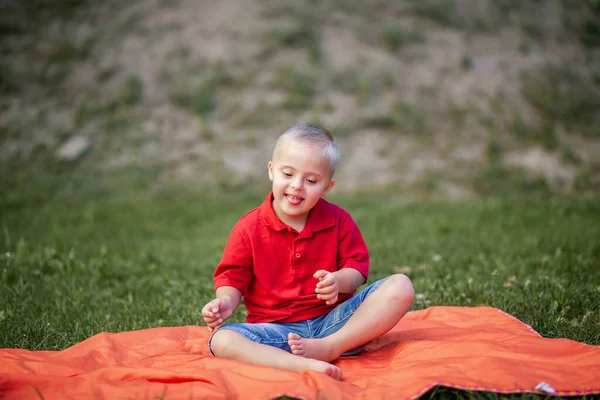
x,y
320,217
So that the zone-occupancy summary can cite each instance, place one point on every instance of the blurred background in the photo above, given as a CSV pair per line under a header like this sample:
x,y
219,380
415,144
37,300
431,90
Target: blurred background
x,y
450,98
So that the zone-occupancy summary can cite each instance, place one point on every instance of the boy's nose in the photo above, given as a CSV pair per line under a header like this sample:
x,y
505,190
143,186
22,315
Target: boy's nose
x,y
297,184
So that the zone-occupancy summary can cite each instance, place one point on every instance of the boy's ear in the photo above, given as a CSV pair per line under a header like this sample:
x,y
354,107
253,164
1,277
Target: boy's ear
x,y
270,169
330,186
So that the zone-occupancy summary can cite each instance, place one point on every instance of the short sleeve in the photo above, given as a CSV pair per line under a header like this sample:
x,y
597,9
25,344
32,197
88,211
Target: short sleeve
x,y
235,267
352,249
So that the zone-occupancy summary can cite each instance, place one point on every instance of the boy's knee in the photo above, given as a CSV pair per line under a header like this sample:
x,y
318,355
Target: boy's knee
x,y
400,288
222,342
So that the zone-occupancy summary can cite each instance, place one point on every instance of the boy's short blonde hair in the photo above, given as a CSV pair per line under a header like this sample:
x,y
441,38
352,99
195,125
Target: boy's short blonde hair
x,y
314,134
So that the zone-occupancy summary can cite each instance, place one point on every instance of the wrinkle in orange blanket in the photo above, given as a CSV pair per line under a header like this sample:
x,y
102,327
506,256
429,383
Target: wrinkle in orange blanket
x,y
477,348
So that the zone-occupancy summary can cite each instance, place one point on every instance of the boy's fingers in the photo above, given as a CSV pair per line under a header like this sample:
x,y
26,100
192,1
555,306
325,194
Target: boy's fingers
x,y
210,315
215,305
206,309
209,306
215,324
212,318
211,327
212,308
325,290
320,274
326,296
206,312
325,282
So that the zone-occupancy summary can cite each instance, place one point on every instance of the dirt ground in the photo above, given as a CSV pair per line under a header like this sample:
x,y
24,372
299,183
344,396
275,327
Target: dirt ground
x,y
414,95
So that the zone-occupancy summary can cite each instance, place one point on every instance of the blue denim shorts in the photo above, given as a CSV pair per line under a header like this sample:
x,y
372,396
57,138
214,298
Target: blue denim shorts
x,y
276,334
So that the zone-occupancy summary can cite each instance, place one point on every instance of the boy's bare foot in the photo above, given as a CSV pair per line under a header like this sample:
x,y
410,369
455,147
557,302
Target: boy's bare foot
x,y
328,369
311,348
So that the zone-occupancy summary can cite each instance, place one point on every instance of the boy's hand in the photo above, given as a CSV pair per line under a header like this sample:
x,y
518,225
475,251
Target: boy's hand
x,y
216,311
328,287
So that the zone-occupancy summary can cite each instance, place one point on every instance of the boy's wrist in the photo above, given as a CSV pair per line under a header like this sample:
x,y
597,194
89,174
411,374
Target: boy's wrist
x,y
224,298
229,294
349,279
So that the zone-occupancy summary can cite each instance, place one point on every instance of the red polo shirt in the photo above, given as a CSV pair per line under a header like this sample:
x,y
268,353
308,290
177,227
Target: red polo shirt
x,y
273,265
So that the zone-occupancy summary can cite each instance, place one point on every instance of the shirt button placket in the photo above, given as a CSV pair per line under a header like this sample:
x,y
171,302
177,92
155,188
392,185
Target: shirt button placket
x,y
297,254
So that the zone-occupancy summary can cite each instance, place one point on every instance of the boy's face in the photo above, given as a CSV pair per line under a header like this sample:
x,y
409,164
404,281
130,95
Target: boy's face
x,y
300,175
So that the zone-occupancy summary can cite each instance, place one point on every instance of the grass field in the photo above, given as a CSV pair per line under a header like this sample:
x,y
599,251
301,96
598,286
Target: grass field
x,y
71,267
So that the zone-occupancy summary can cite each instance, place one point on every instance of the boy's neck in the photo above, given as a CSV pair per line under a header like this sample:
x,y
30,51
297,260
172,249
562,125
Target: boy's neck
x,y
297,223
298,226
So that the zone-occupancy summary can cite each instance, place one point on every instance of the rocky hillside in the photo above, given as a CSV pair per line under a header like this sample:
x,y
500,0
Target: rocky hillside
x,y
457,97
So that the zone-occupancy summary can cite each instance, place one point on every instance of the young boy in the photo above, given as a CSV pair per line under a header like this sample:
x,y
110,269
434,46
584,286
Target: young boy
x,y
298,260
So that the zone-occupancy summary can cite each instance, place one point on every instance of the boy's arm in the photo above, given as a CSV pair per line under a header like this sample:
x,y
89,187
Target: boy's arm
x,y
353,255
349,279
331,284
232,276
353,264
220,309
233,295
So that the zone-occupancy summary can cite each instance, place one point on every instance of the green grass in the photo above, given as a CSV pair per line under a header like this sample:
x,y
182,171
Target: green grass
x,y
132,91
79,258
402,119
590,28
302,35
22,16
396,36
200,96
70,269
8,82
299,86
544,134
352,82
302,32
562,95
449,14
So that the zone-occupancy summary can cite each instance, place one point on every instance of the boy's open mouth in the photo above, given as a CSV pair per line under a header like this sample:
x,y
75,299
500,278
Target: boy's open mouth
x,y
294,200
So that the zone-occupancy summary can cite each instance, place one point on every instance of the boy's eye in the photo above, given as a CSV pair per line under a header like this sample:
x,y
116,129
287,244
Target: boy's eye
x,y
287,174
311,181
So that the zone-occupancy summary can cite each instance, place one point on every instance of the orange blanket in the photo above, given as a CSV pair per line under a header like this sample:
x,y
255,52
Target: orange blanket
x,y
478,348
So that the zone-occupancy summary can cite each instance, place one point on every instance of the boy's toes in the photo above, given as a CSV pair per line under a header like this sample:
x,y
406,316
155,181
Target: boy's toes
x,y
293,337
334,372
295,343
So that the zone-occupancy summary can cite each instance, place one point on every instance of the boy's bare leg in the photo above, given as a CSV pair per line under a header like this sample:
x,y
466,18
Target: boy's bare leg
x,y
230,344
379,313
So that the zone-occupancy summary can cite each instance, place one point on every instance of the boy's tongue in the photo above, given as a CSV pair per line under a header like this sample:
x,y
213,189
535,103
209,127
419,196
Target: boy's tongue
x,y
293,199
